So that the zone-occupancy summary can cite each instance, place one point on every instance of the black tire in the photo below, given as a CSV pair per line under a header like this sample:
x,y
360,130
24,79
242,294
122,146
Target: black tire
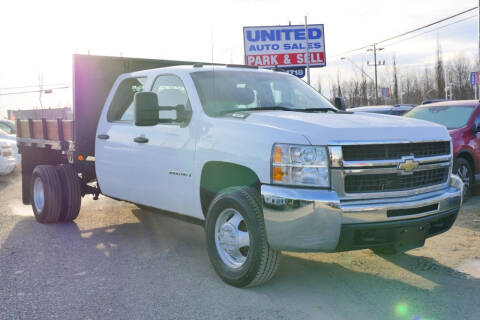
x,y
261,261
71,192
462,168
49,210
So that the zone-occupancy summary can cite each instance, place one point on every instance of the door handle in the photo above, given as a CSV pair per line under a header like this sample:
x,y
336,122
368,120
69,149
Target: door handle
x,y
103,136
140,140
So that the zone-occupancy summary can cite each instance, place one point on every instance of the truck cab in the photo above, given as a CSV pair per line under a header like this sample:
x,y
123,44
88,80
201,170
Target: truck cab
x,y
259,158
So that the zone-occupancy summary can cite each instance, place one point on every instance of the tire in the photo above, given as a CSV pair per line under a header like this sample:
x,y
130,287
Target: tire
x,y
46,194
462,168
237,211
71,192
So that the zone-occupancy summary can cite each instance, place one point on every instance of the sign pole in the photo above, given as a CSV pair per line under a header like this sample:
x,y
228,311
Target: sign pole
x,y
477,91
308,53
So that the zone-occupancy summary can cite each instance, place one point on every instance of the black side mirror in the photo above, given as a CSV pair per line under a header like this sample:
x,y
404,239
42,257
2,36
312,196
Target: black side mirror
x,y
146,109
476,128
149,113
340,103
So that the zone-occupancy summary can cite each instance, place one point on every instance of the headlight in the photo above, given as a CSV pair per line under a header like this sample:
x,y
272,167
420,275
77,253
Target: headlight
x,y
300,165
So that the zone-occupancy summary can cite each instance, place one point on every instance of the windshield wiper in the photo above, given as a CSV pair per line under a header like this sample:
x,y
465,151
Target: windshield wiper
x,y
317,109
269,108
221,113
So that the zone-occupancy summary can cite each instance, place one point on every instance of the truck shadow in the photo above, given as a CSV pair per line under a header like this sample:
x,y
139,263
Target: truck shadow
x,y
120,270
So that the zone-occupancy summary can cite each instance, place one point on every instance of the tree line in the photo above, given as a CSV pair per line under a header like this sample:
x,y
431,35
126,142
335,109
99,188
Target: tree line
x,y
412,86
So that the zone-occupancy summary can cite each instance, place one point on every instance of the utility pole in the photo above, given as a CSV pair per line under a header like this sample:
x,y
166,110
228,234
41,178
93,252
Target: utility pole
x,y
375,49
308,52
376,77
477,91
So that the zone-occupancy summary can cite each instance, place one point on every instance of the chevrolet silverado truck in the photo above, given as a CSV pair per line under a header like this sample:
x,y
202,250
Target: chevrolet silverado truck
x,y
259,158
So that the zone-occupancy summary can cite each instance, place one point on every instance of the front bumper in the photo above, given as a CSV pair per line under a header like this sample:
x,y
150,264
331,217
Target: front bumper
x,y
317,220
7,165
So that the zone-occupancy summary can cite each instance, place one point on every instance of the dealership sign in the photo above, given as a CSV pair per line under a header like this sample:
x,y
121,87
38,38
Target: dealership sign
x,y
284,46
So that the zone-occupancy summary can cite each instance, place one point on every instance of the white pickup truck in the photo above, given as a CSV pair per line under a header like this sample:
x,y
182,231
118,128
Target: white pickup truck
x,y
260,159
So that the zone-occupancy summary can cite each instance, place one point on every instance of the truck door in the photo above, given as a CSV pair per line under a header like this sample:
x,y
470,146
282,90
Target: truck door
x,y
116,162
165,153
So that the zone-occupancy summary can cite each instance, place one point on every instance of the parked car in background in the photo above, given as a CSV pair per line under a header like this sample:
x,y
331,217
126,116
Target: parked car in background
x,y
11,141
396,110
7,160
462,119
432,101
8,126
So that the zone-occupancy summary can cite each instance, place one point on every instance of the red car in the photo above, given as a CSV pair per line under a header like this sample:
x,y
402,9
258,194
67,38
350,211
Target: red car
x,y
462,119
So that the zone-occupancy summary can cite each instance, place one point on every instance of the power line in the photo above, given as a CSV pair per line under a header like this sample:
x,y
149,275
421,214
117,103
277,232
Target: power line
x,y
408,32
420,34
33,86
22,92
428,25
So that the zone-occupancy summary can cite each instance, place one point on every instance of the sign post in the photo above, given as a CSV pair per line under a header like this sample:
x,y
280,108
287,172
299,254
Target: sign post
x,y
308,53
474,80
286,47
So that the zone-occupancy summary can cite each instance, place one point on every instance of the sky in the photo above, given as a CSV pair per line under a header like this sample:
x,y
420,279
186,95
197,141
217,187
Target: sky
x,y
39,37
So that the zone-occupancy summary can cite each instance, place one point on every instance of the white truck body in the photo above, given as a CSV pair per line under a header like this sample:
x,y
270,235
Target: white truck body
x,y
372,180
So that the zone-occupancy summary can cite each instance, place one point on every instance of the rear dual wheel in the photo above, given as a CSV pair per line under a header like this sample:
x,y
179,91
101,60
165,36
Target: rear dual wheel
x,y
55,193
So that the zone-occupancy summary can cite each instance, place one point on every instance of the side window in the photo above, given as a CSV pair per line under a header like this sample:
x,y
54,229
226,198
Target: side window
x,y
121,108
170,91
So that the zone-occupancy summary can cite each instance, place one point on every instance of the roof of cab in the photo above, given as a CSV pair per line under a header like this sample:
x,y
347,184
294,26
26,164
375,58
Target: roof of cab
x,y
200,67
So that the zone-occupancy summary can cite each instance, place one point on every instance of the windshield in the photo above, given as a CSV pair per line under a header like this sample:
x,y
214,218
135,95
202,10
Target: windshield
x,y
451,117
229,91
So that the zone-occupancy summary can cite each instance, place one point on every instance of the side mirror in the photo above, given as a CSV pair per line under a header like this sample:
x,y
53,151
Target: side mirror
x,y
476,128
149,113
340,103
146,109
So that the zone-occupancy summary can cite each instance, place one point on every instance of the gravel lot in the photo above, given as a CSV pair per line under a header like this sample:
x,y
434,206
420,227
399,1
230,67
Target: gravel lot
x,y
119,262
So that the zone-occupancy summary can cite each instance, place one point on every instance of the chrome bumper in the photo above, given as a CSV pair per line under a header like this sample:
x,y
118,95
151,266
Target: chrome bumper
x,y
311,220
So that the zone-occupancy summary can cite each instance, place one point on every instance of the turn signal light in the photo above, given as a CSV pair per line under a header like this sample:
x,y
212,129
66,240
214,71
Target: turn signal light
x,y
278,174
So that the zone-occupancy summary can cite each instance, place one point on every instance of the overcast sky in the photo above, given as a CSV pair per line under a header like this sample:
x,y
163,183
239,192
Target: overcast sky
x,y
40,36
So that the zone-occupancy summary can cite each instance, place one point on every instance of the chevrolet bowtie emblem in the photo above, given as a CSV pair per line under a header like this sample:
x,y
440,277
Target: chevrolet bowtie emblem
x,y
408,165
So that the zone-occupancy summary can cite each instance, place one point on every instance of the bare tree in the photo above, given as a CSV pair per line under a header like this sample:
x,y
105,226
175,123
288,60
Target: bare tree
x,y
339,86
439,73
395,80
319,86
458,74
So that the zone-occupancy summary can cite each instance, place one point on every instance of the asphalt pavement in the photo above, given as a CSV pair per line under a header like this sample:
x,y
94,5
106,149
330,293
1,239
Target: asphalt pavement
x,y
120,262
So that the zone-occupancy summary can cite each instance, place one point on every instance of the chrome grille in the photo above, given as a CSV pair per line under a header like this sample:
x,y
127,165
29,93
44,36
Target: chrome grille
x,y
394,151
394,182
389,169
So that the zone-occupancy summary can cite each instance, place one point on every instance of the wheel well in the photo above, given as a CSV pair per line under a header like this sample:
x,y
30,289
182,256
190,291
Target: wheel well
x,y
469,157
217,175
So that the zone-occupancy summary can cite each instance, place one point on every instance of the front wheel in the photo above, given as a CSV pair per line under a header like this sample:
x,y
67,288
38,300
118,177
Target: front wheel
x,y
462,168
236,239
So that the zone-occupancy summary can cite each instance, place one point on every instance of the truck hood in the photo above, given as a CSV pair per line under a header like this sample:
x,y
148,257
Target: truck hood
x,y
329,128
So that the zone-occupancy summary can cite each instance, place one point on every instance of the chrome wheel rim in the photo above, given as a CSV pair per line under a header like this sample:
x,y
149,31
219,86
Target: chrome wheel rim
x,y
464,174
232,238
38,194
